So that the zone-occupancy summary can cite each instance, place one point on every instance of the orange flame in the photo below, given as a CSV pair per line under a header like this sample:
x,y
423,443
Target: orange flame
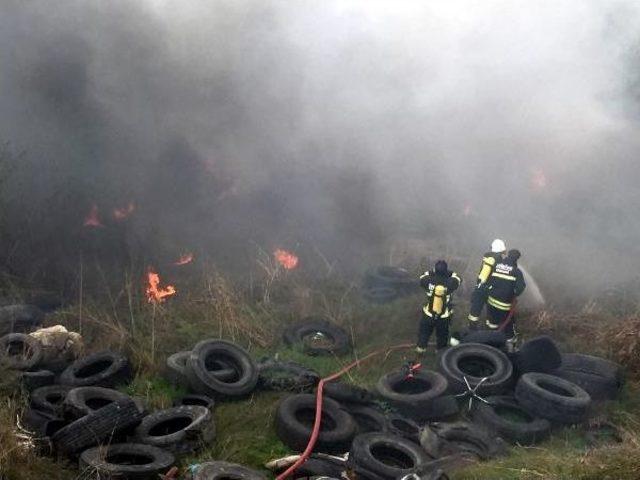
x,y
92,219
538,179
184,259
156,294
287,259
122,213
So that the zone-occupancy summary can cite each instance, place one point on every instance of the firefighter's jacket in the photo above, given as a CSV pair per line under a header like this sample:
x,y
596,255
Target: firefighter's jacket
x,y
505,283
489,262
439,288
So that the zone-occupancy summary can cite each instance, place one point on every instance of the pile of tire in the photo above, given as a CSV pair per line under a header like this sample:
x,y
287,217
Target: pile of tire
x,y
425,424
81,415
386,283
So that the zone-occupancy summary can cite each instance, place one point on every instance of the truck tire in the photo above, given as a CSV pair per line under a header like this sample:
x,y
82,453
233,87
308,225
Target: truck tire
x,y
412,395
475,361
347,393
553,398
96,427
286,376
540,354
294,422
368,419
180,430
508,419
386,455
19,351
600,378
202,379
81,401
125,461
49,399
102,369
335,339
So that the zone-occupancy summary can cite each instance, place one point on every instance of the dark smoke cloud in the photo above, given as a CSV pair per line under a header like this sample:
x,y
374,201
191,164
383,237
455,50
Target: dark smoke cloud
x,y
338,124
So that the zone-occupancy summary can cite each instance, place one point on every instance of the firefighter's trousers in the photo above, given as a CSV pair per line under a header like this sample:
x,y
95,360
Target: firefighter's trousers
x,y
427,325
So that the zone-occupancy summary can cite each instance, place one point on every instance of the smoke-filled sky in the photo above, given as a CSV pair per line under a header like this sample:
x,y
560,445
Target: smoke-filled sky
x,y
337,122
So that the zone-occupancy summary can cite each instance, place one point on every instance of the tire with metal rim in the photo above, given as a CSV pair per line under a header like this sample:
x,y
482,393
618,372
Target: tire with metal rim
x,y
553,398
508,419
475,361
102,369
386,455
202,379
125,461
180,430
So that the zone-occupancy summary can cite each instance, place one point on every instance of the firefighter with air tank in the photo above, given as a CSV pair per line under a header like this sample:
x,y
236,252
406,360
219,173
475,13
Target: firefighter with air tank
x,y
439,284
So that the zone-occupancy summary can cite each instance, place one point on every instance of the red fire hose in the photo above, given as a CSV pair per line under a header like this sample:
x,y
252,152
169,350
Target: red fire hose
x,y
507,320
316,424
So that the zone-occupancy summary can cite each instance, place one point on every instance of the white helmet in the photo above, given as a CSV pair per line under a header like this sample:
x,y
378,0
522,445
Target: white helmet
x,y
498,246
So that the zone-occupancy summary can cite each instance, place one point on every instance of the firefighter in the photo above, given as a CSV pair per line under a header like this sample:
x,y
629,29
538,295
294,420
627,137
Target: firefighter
x,y
439,284
479,294
505,284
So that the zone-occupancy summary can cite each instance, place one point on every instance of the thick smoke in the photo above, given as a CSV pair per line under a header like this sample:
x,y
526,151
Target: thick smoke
x,y
338,124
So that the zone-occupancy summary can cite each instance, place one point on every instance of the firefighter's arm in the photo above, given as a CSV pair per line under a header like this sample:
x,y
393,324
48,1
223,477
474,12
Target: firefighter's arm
x,y
487,267
454,282
520,284
424,280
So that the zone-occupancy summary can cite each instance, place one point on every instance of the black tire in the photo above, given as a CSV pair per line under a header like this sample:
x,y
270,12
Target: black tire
x,y
395,277
412,396
368,419
180,430
380,295
386,455
81,401
203,381
294,423
177,365
20,318
39,378
402,426
500,417
553,398
125,461
195,400
475,361
347,393
540,354
600,378
318,467
102,369
49,399
440,409
460,438
286,376
224,470
487,337
176,371
336,341
34,420
97,427
19,351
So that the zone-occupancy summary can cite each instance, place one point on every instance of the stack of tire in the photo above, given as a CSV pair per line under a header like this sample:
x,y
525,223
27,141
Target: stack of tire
x,y
386,283
81,415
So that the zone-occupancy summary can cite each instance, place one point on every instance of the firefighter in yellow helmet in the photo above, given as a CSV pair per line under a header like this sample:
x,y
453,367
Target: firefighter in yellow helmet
x,y
479,294
439,284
